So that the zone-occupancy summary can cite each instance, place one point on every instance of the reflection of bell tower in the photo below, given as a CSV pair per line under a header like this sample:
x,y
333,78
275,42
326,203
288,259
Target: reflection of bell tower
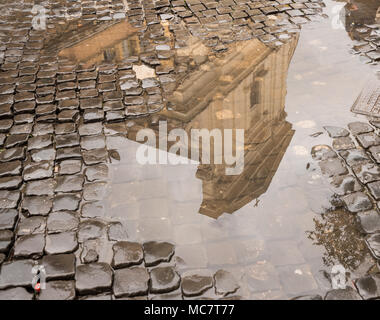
x,y
245,89
267,137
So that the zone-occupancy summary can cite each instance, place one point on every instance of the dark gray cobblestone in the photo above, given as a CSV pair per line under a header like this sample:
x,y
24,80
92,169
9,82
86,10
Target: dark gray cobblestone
x,y
360,194
67,278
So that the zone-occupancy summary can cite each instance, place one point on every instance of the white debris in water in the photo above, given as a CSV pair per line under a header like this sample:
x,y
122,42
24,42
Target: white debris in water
x,y
298,271
319,83
315,42
226,114
306,124
318,43
143,71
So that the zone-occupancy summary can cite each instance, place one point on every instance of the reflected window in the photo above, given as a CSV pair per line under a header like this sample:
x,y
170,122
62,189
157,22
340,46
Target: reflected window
x,y
125,49
133,47
255,93
109,54
130,48
257,87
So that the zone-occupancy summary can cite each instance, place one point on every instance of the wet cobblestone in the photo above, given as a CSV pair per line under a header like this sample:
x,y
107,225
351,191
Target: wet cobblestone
x,y
59,118
362,165
362,25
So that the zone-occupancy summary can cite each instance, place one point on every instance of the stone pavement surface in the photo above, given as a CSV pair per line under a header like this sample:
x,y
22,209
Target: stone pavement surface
x,y
352,169
366,44
59,117
362,25
114,91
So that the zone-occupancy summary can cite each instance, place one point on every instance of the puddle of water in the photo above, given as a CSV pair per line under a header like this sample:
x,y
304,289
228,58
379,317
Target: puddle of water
x,y
260,224
268,212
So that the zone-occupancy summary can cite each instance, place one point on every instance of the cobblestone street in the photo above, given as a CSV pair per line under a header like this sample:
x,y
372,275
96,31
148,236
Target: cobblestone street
x,y
73,199
352,169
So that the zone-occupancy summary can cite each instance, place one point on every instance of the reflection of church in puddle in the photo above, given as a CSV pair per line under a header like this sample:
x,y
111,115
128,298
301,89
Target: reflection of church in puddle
x,y
245,89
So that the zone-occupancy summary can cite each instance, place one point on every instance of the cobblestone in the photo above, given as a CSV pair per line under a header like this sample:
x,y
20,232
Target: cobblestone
x,y
343,294
131,282
225,283
56,117
64,242
8,218
62,221
127,254
58,290
59,266
15,273
370,221
15,294
32,225
362,161
93,278
195,285
37,205
156,252
90,229
369,287
373,242
163,279
336,132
